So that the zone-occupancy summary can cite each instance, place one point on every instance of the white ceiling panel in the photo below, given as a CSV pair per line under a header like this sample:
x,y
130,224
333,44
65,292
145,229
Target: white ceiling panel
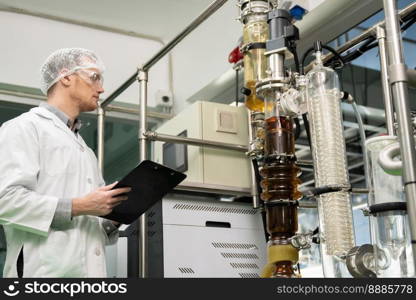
x,y
158,19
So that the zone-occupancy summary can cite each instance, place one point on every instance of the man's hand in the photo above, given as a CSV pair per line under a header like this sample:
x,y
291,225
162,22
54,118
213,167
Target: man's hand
x,y
99,202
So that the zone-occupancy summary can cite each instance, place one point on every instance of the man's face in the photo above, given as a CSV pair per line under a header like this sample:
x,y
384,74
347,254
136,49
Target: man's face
x,y
87,88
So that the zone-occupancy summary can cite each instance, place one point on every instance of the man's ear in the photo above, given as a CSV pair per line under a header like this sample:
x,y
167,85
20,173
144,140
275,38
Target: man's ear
x,y
66,80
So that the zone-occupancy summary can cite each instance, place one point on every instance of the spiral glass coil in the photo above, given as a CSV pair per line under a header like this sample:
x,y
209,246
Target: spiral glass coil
x,y
329,157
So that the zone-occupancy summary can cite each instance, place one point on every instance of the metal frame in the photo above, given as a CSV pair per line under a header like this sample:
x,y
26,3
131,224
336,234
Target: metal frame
x,y
154,136
370,31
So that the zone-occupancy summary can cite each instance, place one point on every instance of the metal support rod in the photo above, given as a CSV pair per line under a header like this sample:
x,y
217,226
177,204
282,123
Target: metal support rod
x,y
398,81
355,41
100,138
142,78
212,8
254,187
308,204
154,136
119,90
359,191
388,102
136,112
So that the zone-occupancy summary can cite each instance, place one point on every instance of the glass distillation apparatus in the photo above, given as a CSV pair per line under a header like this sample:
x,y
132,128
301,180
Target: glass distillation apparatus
x,y
280,96
268,37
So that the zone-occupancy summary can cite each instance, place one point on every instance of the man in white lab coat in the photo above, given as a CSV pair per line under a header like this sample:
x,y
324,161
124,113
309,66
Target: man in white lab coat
x,y
51,191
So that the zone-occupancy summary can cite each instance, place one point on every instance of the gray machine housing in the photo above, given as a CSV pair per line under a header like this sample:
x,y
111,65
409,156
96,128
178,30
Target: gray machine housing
x,y
193,236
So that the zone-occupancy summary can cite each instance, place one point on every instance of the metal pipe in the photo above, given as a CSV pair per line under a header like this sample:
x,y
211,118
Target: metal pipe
x,y
118,91
398,81
254,187
254,190
154,136
361,132
308,204
100,138
359,191
388,102
329,19
142,78
135,111
358,39
304,162
213,7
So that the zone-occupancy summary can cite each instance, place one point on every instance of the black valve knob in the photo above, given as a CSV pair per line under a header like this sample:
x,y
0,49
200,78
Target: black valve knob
x,y
245,91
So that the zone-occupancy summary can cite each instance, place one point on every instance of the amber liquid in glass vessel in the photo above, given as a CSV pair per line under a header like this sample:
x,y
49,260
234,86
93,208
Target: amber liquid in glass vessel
x,y
280,175
279,187
252,102
284,269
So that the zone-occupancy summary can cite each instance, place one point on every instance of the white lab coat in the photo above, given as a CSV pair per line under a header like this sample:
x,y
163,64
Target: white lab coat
x,y
41,161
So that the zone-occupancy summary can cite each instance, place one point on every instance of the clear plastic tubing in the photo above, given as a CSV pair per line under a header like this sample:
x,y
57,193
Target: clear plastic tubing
x,y
328,151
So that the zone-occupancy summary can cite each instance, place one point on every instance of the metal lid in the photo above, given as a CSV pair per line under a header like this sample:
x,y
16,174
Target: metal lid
x,y
253,8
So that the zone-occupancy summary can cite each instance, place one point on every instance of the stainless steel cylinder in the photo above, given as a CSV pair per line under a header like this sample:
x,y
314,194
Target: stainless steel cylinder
x,y
276,66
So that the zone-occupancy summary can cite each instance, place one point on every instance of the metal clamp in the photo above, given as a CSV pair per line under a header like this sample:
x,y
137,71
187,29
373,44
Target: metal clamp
x,y
302,240
142,75
397,73
252,46
380,32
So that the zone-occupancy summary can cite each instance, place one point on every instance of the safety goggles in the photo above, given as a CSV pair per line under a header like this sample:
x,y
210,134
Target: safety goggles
x,y
91,76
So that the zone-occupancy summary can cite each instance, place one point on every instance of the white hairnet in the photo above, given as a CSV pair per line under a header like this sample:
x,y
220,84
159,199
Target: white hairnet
x,y
64,62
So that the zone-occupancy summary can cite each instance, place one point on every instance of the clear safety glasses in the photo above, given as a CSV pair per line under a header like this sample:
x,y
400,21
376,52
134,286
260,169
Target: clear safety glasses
x,y
93,77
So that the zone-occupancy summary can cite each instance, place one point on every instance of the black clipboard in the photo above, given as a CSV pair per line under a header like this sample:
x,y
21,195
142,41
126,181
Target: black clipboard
x,y
150,182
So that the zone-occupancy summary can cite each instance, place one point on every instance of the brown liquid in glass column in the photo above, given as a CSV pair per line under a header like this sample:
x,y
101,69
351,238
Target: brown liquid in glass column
x,y
279,186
